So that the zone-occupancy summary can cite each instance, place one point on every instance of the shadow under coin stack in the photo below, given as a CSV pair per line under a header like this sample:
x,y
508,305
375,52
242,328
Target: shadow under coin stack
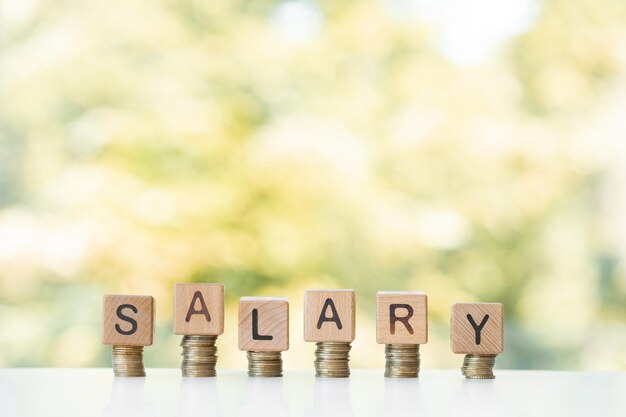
x,y
199,318
329,320
264,334
402,325
128,325
477,330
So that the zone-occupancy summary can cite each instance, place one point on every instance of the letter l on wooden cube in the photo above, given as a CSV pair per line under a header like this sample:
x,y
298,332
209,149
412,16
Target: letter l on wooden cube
x,y
263,324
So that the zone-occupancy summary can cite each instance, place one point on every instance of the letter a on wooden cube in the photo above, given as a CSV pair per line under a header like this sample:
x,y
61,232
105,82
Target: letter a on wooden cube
x,y
199,309
128,320
329,315
263,324
401,317
477,328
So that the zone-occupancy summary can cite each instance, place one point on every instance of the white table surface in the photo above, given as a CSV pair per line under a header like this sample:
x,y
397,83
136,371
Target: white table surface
x,y
95,392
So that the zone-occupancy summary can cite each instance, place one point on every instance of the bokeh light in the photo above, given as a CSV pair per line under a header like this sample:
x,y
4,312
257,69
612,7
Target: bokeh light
x,y
472,150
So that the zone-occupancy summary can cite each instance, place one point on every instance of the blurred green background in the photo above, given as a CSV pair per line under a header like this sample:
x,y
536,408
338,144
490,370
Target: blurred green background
x,y
475,150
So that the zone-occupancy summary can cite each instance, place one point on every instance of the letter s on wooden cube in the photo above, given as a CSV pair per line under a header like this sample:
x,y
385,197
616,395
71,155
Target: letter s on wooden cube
x,y
128,320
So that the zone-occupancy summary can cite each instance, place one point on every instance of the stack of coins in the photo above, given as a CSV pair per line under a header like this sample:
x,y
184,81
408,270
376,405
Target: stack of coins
x,y
402,361
128,326
477,331
199,355
478,366
265,364
128,361
402,326
332,359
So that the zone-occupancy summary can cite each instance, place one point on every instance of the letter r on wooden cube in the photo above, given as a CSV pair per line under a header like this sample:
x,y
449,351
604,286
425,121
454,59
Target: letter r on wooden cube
x,y
477,328
263,324
401,317
128,320
329,315
199,309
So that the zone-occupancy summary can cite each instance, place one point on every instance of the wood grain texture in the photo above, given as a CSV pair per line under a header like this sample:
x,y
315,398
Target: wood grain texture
x,y
272,319
128,320
463,333
408,307
316,305
209,295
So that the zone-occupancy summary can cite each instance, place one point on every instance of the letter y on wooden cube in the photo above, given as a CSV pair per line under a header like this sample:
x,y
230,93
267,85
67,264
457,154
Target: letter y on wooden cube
x,y
263,324
128,320
477,328
401,317
199,309
329,315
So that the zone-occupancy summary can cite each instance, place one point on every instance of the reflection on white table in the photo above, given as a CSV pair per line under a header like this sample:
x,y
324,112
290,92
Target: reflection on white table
x,y
264,398
128,399
198,397
95,392
477,398
403,398
331,397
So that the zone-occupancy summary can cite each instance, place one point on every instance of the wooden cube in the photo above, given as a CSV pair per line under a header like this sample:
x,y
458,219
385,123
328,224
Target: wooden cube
x,y
477,328
263,324
401,317
329,315
128,320
199,309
